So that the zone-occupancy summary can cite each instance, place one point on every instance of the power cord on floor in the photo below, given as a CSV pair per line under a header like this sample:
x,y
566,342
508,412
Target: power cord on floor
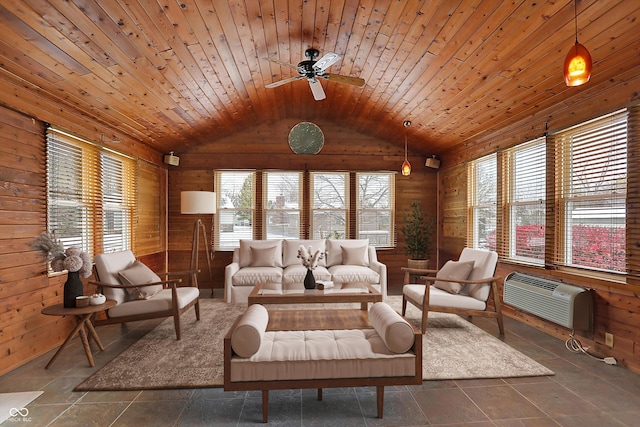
x,y
574,345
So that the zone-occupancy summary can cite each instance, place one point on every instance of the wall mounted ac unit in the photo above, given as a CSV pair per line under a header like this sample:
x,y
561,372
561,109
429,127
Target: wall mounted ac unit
x,y
565,305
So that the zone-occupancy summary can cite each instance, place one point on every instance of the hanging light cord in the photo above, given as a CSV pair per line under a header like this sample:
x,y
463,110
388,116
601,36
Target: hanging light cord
x,y
575,17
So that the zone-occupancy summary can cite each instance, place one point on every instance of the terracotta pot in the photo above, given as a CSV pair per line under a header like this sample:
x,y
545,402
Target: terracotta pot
x,y
418,263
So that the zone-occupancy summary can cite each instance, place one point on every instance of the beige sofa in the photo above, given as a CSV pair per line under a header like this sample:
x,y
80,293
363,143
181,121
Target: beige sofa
x,y
259,261
390,353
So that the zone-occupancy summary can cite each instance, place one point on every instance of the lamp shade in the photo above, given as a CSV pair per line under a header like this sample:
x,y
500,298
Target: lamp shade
x,y
577,66
197,202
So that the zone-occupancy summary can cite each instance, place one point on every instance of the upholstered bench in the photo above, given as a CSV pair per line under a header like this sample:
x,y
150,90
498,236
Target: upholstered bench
x,y
389,353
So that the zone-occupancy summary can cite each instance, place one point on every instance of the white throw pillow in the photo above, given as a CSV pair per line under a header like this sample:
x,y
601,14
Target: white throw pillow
x,y
245,251
290,251
334,250
263,257
354,256
140,274
395,331
456,270
247,336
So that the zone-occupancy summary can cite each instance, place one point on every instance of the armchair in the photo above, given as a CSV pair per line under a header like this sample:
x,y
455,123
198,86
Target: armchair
x,y
461,287
139,293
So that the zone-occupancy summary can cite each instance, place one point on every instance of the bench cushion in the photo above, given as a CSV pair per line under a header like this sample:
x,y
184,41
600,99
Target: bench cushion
x,y
357,353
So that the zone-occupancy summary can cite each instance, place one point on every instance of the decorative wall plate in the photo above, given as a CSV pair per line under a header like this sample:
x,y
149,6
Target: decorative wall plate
x,y
306,138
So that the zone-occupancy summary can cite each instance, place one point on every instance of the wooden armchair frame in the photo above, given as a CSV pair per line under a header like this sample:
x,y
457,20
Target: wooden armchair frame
x,y
429,277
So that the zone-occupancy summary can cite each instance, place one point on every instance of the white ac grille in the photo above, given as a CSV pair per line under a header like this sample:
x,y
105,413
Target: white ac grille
x,y
566,305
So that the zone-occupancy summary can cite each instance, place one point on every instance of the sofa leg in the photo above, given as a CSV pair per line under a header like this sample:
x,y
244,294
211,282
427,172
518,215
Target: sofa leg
x,y
265,406
319,394
380,398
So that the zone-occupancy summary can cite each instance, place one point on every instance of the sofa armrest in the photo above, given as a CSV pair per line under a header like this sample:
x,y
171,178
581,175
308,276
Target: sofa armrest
x,y
379,268
229,271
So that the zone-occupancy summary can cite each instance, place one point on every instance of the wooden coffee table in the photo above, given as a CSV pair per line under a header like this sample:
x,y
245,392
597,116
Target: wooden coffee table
x,y
295,293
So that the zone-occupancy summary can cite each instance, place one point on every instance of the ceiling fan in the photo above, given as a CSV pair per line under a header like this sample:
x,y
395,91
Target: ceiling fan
x,y
313,70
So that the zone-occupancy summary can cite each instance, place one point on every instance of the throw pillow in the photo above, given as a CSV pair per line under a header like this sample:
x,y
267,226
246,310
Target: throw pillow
x,y
263,257
354,255
457,270
395,331
139,274
247,336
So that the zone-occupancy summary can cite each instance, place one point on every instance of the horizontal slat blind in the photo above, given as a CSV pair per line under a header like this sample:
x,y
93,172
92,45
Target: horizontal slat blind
x,y
633,198
375,204
591,172
282,204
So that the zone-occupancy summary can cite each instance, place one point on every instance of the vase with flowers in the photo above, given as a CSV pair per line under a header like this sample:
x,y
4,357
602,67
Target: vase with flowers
x,y
73,259
309,259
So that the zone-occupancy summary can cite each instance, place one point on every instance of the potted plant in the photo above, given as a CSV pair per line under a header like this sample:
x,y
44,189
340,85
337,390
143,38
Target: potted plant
x,y
417,231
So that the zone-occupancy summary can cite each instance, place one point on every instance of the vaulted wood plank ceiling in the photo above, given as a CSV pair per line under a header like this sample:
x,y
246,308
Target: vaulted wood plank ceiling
x,y
173,73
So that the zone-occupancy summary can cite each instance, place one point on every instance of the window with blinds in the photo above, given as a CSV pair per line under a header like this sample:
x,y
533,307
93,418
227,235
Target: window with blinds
x,y
282,204
482,202
591,171
525,171
236,207
375,206
90,194
329,205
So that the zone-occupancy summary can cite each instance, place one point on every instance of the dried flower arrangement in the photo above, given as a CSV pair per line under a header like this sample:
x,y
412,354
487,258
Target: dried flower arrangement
x,y
309,258
72,259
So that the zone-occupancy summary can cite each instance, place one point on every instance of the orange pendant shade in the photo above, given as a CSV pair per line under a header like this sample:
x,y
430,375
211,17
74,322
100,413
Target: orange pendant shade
x,y
406,168
577,66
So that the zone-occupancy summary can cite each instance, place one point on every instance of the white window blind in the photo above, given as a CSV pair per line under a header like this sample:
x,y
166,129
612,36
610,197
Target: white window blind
x,y
236,206
329,205
375,207
482,202
282,204
591,166
90,194
526,166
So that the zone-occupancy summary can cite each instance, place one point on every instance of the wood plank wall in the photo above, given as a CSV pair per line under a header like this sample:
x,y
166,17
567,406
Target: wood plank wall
x,y
25,286
266,147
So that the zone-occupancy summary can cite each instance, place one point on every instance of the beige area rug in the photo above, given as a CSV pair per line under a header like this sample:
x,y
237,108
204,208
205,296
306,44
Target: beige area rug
x,y
453,349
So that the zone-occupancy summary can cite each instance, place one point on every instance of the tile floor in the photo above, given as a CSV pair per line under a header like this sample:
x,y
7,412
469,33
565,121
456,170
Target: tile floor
x,y
584,392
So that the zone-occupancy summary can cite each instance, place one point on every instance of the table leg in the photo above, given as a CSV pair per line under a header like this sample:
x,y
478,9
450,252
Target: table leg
x,y
66,342
364,306
85,343
94,335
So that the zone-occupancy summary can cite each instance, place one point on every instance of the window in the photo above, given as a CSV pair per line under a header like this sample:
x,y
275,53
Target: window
x,y
90,194
591,168
526,166
282,204
329,205
236,206
375,208
482,195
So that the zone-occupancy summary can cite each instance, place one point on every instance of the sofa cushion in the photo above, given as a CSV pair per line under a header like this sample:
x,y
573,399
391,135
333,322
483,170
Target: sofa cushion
x,y
247,336
139,274
355,255
245,250
290,251
296,274
249,276
457,270
394,330
334,250
263,257
353,273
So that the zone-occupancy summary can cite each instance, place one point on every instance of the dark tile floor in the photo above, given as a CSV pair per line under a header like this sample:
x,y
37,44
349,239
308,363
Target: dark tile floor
x,y
583,392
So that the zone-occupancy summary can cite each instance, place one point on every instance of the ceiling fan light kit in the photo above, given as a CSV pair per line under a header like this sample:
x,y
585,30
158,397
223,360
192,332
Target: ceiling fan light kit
x,y
313,70
577,63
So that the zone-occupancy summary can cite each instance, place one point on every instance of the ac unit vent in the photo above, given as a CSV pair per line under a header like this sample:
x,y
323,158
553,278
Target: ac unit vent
x,y
565,305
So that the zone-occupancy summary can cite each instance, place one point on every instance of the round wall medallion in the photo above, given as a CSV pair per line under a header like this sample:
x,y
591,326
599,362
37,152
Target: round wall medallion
x,y
306,138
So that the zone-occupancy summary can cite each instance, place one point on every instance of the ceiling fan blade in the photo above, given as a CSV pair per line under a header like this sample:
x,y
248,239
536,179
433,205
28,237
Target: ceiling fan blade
x,y
284,64
317,90
326,61
282,82
338,78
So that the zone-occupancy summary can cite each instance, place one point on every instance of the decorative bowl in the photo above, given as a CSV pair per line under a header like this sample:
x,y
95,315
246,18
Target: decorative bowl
x,y
97,299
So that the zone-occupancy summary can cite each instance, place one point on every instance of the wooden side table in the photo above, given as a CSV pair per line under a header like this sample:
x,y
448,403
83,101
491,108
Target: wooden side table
x,y
83,316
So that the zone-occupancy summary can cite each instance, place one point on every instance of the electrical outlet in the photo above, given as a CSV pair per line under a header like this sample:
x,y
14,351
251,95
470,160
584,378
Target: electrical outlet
x,y
608,339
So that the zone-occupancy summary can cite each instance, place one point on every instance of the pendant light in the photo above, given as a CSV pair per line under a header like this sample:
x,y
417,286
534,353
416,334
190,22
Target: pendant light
x,y
406,166
577,64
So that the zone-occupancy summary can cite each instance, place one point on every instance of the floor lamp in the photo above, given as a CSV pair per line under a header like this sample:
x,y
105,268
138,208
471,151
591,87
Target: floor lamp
x,y
200,203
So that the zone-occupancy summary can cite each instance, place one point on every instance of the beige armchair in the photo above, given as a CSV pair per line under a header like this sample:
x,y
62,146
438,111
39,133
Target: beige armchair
x,y
140,294
461,287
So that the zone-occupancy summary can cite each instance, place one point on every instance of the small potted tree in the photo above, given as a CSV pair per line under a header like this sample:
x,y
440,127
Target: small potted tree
x,y
417,231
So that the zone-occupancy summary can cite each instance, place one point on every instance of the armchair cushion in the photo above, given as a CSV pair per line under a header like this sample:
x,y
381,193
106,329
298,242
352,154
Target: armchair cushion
x,y
395,331
140,274
484,268
263,257
457,270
